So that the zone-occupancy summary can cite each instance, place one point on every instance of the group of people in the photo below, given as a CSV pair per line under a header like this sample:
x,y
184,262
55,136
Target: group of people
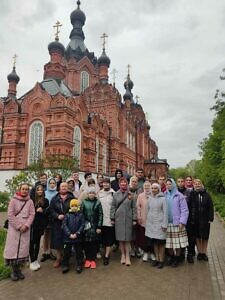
x,y
159,221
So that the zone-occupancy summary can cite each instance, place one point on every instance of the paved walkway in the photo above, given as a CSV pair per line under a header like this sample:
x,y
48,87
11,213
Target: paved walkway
x,y
140,281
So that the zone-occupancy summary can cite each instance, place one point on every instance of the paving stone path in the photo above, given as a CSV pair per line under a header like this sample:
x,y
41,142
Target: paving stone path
x,y
139,281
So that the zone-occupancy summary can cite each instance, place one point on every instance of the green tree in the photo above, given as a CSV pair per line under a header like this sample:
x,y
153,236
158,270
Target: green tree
x,y
212,169
52,165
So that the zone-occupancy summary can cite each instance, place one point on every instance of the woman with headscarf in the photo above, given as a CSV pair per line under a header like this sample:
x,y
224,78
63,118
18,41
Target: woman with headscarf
x,y
177,218
201,215
50,192
123,215
142,205
156,224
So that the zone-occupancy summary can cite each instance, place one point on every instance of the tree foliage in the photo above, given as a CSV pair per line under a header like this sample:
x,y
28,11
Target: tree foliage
x,y
51,165
212,169
191,169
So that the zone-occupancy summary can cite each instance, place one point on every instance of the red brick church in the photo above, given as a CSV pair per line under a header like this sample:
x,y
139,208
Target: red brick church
x,y
75,111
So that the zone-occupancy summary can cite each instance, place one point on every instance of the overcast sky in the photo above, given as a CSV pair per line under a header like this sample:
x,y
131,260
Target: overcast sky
x,y
176,49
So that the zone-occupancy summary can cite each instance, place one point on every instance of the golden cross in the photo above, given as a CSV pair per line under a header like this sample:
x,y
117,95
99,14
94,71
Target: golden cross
x,y
128,69
104,36
14,60
57,26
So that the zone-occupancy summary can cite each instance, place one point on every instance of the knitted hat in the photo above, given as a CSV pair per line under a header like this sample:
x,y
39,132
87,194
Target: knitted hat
x,y
74,202
91,189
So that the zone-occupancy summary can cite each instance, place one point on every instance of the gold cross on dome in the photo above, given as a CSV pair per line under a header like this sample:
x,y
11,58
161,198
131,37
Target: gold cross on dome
x,y
104,36
14,60
128,69
57,26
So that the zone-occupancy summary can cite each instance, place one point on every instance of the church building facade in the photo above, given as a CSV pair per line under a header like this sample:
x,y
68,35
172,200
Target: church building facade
x,y
76,112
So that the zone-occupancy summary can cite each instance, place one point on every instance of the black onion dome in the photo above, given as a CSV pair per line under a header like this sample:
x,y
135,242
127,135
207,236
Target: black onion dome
x,y
78,15
127,95
13,76
57,46
128,83
104,59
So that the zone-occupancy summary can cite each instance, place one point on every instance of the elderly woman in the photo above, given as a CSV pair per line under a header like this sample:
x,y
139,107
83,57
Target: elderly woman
x,y
156,224
142,209
201,215
123,215
177,218
59,206
20,215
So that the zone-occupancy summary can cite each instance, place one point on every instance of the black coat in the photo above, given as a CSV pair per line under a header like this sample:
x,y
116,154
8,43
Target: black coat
x,y
58,207
73,223
201,212
41,219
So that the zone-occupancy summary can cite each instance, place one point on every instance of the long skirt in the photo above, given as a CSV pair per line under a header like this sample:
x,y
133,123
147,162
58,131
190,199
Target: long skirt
x,y
176,238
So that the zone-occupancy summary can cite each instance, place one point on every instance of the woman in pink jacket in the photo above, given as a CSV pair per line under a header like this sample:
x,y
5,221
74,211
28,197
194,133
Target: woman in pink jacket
x,y
20,215
142,209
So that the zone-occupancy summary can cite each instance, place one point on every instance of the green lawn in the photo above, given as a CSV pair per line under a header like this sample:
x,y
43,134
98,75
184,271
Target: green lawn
x,y
4,271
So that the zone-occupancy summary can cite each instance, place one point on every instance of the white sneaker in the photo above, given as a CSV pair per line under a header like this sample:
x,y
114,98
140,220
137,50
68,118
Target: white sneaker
x,y
152,256
37,264
145,256
132,252
99,256
33,266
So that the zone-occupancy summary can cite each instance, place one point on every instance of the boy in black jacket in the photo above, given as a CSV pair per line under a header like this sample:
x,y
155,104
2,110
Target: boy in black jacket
x,y
73,227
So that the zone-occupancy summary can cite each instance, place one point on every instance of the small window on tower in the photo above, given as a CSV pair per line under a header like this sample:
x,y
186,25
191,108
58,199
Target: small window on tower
x,y
84,81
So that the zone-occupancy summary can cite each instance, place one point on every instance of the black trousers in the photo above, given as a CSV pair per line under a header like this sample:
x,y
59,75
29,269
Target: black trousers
x,y
35,243
67,249
91,249
191,240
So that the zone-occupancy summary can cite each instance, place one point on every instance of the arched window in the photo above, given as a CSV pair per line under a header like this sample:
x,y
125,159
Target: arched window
x,y
133,143
84,81
77,143
130,140
104,160
97,153
127,139
36,138
1,135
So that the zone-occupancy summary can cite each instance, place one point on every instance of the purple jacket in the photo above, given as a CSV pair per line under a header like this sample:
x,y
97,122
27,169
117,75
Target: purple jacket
x,y
180,210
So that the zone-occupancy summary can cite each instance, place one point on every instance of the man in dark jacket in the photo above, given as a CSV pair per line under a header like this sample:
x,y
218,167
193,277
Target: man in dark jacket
x,y
115,182
42,181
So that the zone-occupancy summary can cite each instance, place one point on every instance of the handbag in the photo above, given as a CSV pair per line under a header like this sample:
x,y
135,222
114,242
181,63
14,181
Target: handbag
x,y
6,223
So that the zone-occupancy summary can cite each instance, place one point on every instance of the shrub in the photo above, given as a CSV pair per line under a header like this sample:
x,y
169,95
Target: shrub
x,y
4,271
219,203
4,200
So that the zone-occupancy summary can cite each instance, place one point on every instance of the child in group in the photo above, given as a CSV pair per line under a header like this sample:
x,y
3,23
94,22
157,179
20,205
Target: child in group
x,y
92,209
73,227
39,225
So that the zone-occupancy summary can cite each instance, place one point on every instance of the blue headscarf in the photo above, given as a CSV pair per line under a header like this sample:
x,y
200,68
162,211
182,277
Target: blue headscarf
x,y
169,194
50,193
